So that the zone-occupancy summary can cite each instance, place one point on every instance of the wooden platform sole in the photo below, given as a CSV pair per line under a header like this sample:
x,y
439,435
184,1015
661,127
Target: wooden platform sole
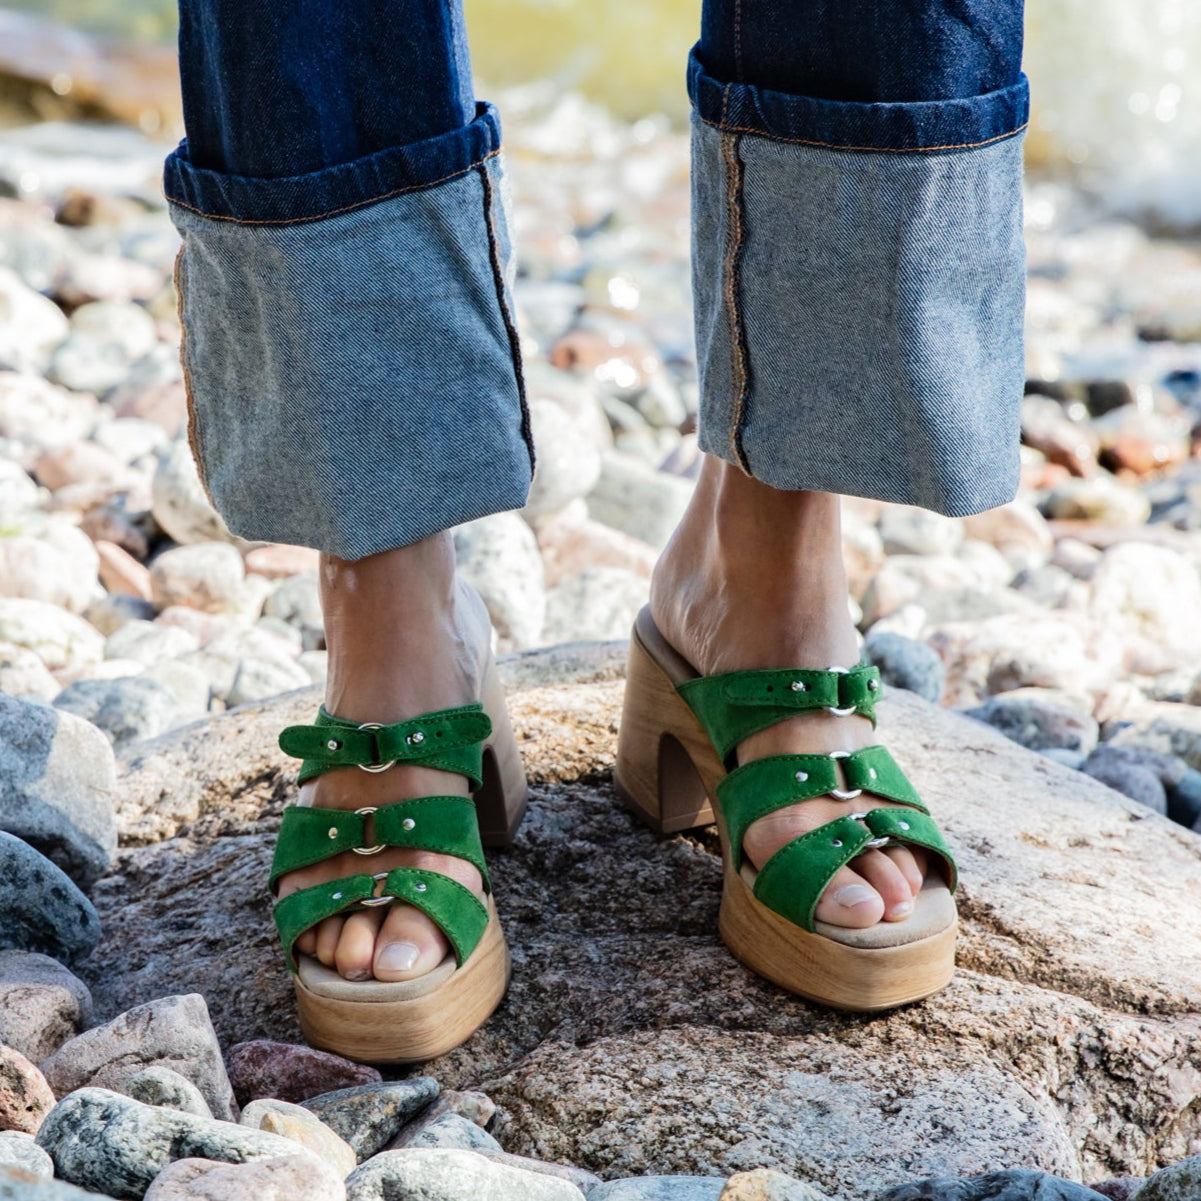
x,y
406,1022
667,772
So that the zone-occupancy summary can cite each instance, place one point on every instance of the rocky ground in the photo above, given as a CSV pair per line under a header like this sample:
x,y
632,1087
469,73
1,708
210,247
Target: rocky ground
x,y
136,814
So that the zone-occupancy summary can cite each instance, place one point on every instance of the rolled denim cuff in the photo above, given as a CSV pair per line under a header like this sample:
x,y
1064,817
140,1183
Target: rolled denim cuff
x,y
859,290
351,360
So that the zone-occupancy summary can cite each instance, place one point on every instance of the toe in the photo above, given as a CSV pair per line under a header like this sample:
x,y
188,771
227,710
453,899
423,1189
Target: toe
x,y
356,946
850,901
327,936
408,945
889,881
306,944
911,864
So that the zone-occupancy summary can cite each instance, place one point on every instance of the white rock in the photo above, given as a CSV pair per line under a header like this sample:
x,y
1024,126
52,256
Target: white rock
x,y
131,438
185,682
257,679
180,505
600,603
148,643
36,411
568,461
207,576
298,602
23,674
635,498
498,556
110,612
255,642
315,663
1152,591
127,326
19,493
33,568
30,325
907,530
1018,530
1100,498
60,639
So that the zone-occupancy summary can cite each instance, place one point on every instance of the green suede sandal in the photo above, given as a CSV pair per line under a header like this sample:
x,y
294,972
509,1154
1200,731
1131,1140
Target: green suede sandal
x,y
676,769
414,1020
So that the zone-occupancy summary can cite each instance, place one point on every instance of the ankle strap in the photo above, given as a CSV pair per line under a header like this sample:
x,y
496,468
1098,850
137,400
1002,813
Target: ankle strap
x,y
448,739
734,706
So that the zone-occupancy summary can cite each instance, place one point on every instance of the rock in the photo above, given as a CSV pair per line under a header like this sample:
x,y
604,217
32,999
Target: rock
x,y
632,1043
187,684
1039,719
207,576
1120,1188
639,501
1164,729
257,679
498,556
763,1184
101,1140
1101,499
30,326
180,504
1152,590
1016,1184
906,530
369,1116
109,613
41,1004
1077,558
127,709
1068,443
475,1107
80,463
568,460
24,675
291,1072
43,910
279,562
19,1150
18,1184
298,1124
315,665
1137,782
25,1097
422,1174
570,547
659,1188
148,643
36,412
35,569
298,602
906,663
57,780
120,572
61,640
161,1086
1018,530
174,1032
566,663
1178,1182
445,1130
281,1178
599,604
561,1171
132,439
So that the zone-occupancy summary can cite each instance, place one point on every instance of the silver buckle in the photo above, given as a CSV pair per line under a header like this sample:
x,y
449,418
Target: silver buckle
x,y
374,767
379,846
875,842
842,671
844,794
373,901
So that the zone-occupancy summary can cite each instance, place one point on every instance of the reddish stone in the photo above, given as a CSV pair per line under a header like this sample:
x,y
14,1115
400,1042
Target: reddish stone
x,y
277,561
120,572
164,404
289,1072
25,1097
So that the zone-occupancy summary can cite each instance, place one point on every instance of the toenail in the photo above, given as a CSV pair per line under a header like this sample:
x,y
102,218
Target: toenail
x,y
398,957
902,909
854,895
359,973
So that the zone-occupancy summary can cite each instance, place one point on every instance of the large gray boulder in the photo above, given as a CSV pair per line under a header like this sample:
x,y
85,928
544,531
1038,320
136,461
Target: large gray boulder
x,y
632,1043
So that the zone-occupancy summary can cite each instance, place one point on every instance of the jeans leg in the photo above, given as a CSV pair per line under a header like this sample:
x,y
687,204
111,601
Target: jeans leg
x,y
349,348
858,266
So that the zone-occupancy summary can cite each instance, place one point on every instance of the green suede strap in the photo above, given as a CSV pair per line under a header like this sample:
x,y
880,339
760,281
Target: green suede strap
x,y
450,740
734,706
444,824
455,909
765,785
792,881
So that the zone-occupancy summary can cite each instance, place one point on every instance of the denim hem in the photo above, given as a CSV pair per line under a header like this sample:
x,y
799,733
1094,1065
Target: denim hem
x,y
929,126
335,190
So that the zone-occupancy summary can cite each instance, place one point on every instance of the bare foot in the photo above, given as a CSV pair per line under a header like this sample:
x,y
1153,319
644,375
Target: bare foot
x,y
404,639
753,578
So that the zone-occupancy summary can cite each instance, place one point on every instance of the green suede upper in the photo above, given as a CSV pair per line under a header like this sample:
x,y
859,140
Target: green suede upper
x,y
450,740
734,706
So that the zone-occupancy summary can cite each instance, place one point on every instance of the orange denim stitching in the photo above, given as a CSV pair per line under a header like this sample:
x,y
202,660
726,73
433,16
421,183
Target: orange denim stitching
x,y
774,137
417,187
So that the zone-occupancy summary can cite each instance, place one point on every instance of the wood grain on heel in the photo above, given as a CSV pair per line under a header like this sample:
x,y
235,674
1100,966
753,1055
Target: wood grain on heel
x,y
501,801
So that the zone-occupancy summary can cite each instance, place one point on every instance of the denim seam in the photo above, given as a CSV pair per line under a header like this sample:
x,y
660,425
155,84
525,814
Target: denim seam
x,y
738,41
502,300
733,253
346,208
193,423
775,137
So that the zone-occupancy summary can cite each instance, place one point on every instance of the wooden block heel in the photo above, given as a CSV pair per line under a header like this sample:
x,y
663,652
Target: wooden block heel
x,y
501,802
677,725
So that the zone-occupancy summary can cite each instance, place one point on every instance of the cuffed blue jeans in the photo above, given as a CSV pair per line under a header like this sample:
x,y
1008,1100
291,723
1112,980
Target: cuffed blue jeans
x,y
352,363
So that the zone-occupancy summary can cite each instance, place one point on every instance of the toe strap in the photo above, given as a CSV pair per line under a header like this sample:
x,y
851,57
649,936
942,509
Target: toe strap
x,y
792,881
456,910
